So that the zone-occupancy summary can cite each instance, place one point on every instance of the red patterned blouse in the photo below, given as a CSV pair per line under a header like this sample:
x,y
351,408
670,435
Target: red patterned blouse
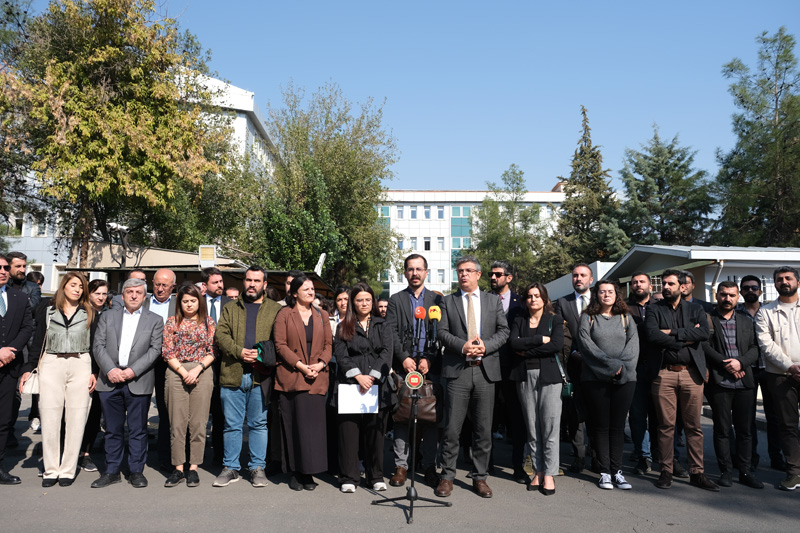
x,y
189,342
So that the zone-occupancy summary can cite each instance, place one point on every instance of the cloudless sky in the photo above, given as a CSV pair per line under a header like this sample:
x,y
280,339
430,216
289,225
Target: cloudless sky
x,y
472,87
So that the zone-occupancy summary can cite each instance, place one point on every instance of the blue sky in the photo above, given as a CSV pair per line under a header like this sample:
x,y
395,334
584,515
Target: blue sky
x,y
472,87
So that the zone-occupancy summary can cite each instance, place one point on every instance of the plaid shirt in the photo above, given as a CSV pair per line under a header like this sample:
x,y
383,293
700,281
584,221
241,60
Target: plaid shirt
x,y
732,351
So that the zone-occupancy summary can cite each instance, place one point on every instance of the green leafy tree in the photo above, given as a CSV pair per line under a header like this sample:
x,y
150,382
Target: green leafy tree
x,y
667,201
107,99
758,178
587,227
334,160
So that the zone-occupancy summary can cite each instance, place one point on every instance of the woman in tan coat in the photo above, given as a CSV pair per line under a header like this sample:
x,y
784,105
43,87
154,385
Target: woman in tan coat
x,y
303,343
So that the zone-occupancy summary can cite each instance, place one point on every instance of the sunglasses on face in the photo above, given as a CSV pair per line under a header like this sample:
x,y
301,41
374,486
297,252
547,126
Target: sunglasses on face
x,y
750,288
497,275
7,268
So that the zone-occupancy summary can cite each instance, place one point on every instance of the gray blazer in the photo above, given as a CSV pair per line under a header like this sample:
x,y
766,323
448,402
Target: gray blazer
x,y
145,350
453,334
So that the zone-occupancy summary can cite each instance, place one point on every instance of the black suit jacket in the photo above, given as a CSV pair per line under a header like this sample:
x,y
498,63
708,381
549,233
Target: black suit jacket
x,y
714,348
567,308
507,358
16,328
660,317
400,318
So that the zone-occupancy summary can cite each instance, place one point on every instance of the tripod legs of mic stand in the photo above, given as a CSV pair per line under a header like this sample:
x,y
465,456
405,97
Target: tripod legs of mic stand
x,y
411,492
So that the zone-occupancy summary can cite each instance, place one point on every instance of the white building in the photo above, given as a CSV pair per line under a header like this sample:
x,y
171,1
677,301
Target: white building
x,y
436,224
37,240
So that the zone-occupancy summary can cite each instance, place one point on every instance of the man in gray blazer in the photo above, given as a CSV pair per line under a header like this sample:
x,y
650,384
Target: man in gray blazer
x,y
472,331
126,344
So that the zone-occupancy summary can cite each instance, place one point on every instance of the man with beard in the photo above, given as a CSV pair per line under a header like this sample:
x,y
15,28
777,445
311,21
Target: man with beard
x,y
243,324
18,262
687,291
642,409
731,391
676,328
778,332
383,307
751,292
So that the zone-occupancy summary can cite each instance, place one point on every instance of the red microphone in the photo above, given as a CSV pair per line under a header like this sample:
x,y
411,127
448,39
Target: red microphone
x,y
419,313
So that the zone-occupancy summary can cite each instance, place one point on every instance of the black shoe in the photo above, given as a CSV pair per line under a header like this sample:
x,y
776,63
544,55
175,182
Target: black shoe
x,y
546,492
8,479
519,475
49,482
137,480
664,480
432,477
750,480
308,481
678,470
65,481
701,481
577,465
725,480
175,478
644,466
192,478
87,464
105,480
294,483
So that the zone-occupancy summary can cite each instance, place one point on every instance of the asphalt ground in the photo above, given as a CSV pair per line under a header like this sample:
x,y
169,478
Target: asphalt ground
x,y
578,505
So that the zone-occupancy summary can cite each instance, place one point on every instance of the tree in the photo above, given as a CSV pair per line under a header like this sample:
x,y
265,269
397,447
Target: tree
x,y
587,227
108,101
758,179
504,228
334,161
667,201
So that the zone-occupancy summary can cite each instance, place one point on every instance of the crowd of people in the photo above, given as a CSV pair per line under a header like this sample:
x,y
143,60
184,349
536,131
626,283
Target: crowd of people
x,y
585,366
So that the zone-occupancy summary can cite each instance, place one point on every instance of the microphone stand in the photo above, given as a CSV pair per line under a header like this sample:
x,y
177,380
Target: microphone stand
x,y
411,491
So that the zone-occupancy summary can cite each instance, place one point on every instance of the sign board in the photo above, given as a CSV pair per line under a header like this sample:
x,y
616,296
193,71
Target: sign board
x,y
208,255
414,380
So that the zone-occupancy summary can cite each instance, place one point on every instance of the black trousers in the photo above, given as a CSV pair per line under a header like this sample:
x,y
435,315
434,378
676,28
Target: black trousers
x,y
773,430
731,406
163,443
354,429
608,405
8,391
92,423
785,392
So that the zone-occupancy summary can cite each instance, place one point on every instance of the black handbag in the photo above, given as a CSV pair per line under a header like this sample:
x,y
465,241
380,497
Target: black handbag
x,y
566,388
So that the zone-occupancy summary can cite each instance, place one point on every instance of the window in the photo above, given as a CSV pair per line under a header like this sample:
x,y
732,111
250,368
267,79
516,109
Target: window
x,y
441,275
413,210
466,242
428,279
440,212
456,211
426,242
440,243
465,211
400,211
456,243
385,211
413,243
427,211
399,244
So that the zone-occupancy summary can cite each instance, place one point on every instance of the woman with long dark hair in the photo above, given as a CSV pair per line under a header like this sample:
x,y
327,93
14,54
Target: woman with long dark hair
x,y
363,348
66,381
303,342
537,337
609,345
188,350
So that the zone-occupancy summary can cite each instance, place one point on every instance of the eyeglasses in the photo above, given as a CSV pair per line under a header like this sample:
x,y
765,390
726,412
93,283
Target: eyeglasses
x,y
750,288
7,268
465,271
497,275
413,270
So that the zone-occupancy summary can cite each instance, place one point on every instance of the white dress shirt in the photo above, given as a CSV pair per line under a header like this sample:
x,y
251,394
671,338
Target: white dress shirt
x,y
578,298
130,321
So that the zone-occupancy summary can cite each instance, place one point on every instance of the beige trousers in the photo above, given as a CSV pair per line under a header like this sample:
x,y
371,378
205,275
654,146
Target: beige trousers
x,y
63,390
188,407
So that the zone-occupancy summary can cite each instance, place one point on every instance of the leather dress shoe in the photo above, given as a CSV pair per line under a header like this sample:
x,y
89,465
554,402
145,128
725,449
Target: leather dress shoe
x,y
444,489
105,480
65,481
750,480
8,479
664,480
481,488
701,481
725,480
678,470
49,482
138,480
399,477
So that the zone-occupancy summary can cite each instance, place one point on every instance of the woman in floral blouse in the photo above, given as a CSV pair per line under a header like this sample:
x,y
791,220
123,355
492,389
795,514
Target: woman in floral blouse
x,y
188,349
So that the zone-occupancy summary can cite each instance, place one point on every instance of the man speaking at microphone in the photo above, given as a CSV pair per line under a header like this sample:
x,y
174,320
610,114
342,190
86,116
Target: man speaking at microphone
x,y
472,331
410,355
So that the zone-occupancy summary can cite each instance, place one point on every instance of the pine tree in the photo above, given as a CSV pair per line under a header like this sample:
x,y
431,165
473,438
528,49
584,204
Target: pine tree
x,y
667,201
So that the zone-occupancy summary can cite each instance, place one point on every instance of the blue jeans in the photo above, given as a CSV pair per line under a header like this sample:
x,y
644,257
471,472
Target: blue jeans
x,y
238,402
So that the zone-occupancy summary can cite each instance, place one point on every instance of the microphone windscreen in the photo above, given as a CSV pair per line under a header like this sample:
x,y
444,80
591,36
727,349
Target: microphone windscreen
x,y
419,313
435,313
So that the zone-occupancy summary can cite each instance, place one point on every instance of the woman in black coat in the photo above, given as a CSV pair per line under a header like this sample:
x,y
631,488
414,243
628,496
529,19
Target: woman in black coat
x,y
363,351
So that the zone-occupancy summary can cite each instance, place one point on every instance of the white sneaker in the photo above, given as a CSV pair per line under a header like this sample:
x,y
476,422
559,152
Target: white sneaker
x,y
619,481
379,486
348,487
36,424
605,482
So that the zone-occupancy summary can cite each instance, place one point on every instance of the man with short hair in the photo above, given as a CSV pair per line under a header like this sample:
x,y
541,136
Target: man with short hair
x,y
778,332
19,265
16,327
383,307
243,324
751,293
472,331
232,292
676,328
570,307
731,391
126,344
409,357
687,291
642,417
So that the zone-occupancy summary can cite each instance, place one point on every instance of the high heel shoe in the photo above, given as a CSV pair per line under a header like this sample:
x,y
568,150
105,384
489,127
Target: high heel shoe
x,y
532,488
547,492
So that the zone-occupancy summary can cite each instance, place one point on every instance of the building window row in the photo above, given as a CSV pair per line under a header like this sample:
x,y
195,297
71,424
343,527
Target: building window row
x,y
414,212
427,244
